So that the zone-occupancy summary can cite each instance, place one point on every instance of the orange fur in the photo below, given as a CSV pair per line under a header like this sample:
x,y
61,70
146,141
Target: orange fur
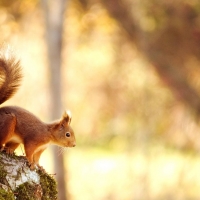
x,y
18,125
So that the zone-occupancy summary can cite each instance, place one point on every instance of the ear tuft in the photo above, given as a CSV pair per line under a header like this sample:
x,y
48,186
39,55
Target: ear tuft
x,y
67,116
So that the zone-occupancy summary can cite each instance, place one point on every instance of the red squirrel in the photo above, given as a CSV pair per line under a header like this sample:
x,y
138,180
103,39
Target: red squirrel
x,y
18,125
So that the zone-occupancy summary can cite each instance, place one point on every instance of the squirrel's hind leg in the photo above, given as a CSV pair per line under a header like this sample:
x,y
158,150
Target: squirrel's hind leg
x,y
7,127
10,147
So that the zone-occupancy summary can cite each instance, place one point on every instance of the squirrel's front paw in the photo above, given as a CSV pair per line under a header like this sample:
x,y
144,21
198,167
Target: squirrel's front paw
x,y
32,166
7,150
2,149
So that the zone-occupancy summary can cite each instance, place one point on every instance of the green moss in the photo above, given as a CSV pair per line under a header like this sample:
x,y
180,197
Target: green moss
x,y
3,174
49,186
28,191
46,190
8,195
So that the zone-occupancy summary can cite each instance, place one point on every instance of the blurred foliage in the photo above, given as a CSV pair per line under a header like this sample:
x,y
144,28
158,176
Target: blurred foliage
x,y
127,99
12,14
128,123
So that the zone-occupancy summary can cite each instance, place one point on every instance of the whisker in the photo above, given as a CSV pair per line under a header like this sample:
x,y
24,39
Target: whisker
x,y
65,149
62,149
59,149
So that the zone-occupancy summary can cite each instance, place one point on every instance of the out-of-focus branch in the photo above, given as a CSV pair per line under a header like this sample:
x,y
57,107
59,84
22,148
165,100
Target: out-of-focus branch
x,y
166,59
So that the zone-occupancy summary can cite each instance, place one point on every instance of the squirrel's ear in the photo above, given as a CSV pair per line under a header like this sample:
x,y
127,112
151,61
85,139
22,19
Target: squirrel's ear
x,y
67,116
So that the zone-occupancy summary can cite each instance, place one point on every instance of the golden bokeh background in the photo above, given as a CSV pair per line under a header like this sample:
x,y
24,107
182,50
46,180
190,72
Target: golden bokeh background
x,y
135,139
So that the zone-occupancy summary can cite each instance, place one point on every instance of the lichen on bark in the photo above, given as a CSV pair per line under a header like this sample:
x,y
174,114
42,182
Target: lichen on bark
x,y
17,181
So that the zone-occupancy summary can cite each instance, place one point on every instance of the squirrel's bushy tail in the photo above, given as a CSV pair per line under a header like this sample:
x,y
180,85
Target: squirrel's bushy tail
x,y
10,75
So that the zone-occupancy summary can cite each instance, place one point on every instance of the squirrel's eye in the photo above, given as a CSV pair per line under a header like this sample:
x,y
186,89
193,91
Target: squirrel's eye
x,y
68,134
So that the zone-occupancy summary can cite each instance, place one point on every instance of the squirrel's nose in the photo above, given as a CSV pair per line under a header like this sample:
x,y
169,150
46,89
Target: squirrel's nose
x,y
74,145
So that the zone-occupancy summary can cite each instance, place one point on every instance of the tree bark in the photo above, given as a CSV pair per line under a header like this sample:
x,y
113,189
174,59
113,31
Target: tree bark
x,y
18,182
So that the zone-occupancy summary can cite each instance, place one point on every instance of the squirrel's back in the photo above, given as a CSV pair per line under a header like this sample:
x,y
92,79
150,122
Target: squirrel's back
x,y
26,122
10,75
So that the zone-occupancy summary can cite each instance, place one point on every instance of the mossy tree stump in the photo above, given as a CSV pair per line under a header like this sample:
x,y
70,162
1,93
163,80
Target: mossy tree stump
x,y
17,181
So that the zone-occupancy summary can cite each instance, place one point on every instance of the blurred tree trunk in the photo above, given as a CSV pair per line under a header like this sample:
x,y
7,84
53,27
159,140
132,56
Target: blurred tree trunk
x,y
54,14
165,49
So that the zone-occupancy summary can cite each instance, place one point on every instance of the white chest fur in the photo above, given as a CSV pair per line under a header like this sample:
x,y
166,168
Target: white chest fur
x,y
41,148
